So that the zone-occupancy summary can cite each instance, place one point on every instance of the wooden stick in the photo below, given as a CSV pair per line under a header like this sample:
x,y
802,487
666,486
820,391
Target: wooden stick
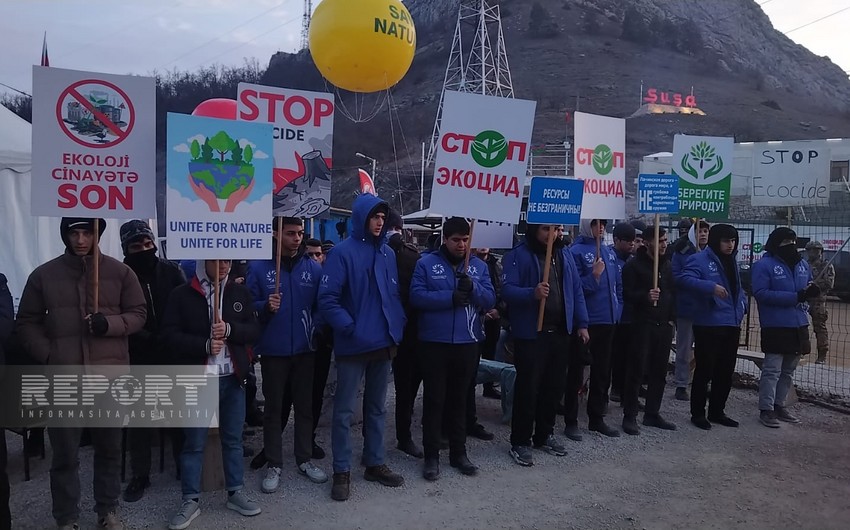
x,y
655,259
96,268
468,247
278,253
599,237
547,267
216,280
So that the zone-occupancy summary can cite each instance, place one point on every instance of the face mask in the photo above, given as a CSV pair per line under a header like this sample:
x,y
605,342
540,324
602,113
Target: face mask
x,y
788,254
143,261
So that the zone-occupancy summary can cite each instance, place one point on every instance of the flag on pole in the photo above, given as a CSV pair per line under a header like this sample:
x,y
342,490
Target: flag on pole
x,y
367,185
44,59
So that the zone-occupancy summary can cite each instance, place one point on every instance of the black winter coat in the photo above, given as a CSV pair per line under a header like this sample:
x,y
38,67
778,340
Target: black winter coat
x,y
146,346
406,257
637,282
186,325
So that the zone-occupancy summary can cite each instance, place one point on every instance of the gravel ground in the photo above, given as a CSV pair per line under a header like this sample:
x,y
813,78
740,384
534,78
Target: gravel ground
x,y
751,477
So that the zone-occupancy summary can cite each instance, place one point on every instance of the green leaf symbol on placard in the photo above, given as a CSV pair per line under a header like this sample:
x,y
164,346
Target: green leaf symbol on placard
x,y
489,149
702,152
603,159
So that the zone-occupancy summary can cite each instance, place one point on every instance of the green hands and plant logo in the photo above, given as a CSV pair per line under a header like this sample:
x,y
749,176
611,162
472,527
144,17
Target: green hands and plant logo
x,y
221,169
489,149
702,163
603,159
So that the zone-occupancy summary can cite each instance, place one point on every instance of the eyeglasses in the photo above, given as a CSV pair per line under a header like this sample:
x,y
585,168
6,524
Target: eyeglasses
x,y
314,254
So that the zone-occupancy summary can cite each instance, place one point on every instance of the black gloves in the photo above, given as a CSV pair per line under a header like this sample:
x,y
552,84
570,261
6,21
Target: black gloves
x,y
464,283
99,324
812,291
460,298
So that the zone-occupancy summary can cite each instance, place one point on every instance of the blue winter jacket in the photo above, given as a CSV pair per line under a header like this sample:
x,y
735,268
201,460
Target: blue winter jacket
x,y
358,294
291,330
434,281
604,297
775,288
625,315
686,301
522,273
702,272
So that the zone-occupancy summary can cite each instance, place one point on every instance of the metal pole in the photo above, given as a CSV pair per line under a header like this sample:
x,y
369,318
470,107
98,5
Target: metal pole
x,y
422,181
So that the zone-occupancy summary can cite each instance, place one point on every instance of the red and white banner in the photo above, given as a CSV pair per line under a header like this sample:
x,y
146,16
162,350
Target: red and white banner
x,y
367,185
93,144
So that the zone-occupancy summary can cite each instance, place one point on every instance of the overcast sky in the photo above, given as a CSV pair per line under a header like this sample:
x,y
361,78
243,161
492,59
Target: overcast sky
x,y
143,36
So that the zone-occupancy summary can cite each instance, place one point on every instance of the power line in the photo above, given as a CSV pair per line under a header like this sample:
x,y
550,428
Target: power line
x,y
290,21
16,90
817,20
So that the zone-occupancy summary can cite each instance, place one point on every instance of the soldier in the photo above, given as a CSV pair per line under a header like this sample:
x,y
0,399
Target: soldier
x,y
824,276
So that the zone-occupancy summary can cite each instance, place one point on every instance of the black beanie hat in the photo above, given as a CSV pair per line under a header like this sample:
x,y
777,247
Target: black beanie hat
x,y
134,230
624,232
85,223
718,232
394,220
777,237
455,226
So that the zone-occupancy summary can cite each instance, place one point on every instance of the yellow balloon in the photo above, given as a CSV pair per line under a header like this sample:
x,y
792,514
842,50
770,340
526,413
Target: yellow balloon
x,y
362,45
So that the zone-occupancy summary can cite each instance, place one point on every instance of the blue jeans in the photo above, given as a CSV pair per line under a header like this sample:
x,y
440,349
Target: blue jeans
x,y
776,373
349,374
684,352
231,416
505,375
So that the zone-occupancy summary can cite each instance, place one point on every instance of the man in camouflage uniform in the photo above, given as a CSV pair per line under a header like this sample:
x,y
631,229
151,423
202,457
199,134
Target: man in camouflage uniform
x,y
824,277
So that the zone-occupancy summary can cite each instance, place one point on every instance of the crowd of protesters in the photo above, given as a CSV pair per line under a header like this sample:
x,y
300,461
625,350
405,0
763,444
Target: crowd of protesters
x,y
440,320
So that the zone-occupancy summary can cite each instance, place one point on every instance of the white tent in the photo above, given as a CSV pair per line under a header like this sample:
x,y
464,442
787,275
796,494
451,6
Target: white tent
x,y
26,241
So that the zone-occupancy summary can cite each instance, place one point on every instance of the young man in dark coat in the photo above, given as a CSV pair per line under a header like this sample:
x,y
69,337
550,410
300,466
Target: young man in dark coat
x,y
195,335
158,277
653,313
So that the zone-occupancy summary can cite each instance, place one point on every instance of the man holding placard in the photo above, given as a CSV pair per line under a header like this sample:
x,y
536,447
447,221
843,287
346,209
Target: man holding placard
x,y
648,291
451,294
542,351
603,291
52,332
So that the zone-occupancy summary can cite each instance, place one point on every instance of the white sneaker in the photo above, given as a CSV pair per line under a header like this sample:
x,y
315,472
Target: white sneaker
x,y
272,480
313,472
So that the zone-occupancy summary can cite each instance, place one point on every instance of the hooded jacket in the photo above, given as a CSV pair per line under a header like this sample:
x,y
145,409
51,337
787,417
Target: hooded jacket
x,y
686,301
702,272
186,325
289,331
776,284
604,297
522,273
57,297
434,282
359,293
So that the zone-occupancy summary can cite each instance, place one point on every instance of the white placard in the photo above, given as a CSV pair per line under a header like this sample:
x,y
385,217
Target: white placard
x,y
600,161
493,234
93,144
790,173
482,156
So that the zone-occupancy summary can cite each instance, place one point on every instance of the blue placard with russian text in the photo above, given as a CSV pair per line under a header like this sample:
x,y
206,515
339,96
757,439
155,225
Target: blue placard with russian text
x,y
658,193
555,201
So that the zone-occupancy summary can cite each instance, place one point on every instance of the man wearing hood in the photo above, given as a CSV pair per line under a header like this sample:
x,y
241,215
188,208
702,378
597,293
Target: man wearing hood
x,y
57,326
684,248
196,335
450,301
603,292
782,282
158,277
359,297
287,346
653,312
541,357
712,276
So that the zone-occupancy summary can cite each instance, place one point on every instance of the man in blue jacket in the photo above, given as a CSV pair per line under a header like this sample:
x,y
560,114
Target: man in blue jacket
x,y
713,279
782,282
603,292
684,248
450,302
360,300
287,346
541,358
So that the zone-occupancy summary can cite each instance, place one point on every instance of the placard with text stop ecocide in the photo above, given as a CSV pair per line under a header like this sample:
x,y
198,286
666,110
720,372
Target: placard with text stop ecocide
x,y
93,144
790,173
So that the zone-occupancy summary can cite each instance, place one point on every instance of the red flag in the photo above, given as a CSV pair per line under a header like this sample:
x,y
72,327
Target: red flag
x,y
44,59
366,183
